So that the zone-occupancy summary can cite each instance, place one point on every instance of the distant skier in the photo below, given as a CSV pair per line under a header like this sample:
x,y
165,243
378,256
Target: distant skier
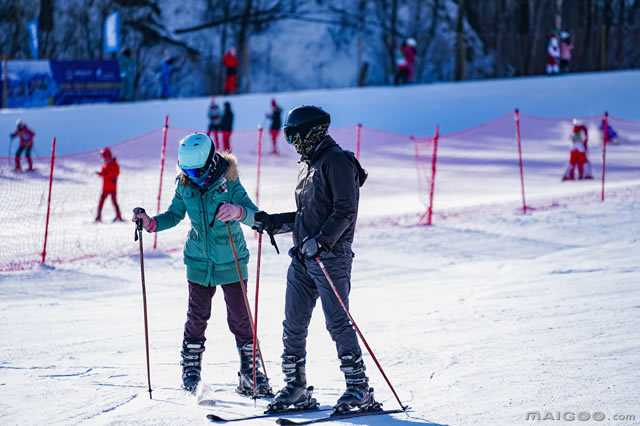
x,y
553,54
578,156
565,52
323,227
226,126
230,63
164,71
110,172
209,191
215,118
127,65
410,55
276,122
612,135
402,66
26,143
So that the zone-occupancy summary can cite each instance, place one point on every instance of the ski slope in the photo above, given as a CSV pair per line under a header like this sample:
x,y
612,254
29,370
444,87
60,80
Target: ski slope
x,y
480,319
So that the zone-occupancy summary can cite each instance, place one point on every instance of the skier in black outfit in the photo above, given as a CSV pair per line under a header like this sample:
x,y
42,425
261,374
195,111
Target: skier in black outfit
x,y
323,225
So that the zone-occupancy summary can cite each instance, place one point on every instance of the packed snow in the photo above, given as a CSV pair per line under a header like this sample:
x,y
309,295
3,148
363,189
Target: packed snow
x,y
482,318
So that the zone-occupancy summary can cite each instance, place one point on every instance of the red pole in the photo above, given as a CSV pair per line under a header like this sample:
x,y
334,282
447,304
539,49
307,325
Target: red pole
x,y
358,141
255,313
344,307
246,300
162,158
434,159
604,148
46,227
524,204
259,163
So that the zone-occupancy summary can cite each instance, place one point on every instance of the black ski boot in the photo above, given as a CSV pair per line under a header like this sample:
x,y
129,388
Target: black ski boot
x,y
191,362
245,375
295,393
358,394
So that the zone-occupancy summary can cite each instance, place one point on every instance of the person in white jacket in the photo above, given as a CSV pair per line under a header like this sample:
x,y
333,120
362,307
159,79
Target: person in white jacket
x,y
578,157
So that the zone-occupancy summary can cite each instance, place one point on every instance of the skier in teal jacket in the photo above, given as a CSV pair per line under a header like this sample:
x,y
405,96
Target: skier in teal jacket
x,y
209,191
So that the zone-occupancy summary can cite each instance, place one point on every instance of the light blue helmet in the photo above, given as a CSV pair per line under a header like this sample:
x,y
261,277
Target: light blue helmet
x,y
195,151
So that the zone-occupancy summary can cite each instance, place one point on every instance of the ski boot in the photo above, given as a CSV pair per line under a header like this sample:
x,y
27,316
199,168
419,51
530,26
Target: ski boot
x,y
358,395
295,393
191,362
245,375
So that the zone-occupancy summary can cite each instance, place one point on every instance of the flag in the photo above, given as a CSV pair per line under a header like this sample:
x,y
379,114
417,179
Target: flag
x,y
112,32
32,26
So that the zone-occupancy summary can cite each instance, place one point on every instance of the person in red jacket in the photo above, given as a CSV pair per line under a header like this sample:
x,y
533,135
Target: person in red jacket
x,y
230,63
410,55
578,157
26,143
110,171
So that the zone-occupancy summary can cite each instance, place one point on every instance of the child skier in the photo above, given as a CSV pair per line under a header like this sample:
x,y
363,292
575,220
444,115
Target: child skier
x,y
612,135
578,157
110,171
26,143
209,191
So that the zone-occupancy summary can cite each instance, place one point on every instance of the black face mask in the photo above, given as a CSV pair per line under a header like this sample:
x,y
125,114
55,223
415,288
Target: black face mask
x,y
305,146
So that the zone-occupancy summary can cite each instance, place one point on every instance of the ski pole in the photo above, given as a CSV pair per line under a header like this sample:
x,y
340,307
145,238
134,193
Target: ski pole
x,y
255,310
335,290
246,302
138,236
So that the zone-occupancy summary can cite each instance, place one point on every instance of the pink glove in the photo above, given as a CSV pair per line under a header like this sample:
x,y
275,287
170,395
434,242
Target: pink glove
x,y
148,223
228,211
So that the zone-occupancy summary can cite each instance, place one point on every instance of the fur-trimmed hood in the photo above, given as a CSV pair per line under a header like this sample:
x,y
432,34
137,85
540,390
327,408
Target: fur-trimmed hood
x,y
232,172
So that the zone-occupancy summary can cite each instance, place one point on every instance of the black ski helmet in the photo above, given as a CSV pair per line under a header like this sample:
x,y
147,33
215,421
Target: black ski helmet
x,y
305,127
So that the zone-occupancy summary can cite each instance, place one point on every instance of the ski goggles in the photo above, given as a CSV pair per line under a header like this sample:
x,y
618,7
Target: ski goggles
x,y
291,135
195,173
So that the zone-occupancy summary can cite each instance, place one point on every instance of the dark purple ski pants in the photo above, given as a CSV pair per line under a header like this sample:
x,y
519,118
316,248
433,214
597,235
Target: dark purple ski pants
x,y
199,312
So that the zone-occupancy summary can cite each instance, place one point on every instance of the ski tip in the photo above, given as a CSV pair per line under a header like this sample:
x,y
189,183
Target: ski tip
x,y
214,418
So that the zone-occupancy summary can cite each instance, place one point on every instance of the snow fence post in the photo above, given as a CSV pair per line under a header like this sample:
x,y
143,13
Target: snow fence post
x,y
162,158
517,117
434,159
604,148
359,129
46,227
260,131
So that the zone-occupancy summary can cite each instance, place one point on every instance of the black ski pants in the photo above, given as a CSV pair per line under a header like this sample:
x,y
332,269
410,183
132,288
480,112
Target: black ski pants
x,y
305,283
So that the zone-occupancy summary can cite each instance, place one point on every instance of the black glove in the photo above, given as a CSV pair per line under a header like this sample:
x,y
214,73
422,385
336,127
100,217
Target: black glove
x,y
310,247
263,221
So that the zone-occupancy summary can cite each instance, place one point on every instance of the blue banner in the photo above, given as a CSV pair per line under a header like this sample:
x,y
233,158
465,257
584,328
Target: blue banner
x,y
81,82
29,84
32,26
111,33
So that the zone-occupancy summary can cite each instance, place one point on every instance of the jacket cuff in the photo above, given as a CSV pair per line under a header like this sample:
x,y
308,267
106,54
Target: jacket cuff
x,y
241,214
323,242
154,225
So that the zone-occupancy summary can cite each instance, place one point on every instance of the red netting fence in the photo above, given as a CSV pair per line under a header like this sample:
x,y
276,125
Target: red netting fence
x,y
482,170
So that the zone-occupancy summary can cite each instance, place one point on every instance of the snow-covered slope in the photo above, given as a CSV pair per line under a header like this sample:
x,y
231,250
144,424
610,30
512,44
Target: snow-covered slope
x,y
480,319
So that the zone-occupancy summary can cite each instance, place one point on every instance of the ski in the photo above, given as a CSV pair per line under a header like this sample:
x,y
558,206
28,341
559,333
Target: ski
x,y
217,419
284,421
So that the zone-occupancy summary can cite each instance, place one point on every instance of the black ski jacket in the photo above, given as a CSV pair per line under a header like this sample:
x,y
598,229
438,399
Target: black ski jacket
x,y
327,196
